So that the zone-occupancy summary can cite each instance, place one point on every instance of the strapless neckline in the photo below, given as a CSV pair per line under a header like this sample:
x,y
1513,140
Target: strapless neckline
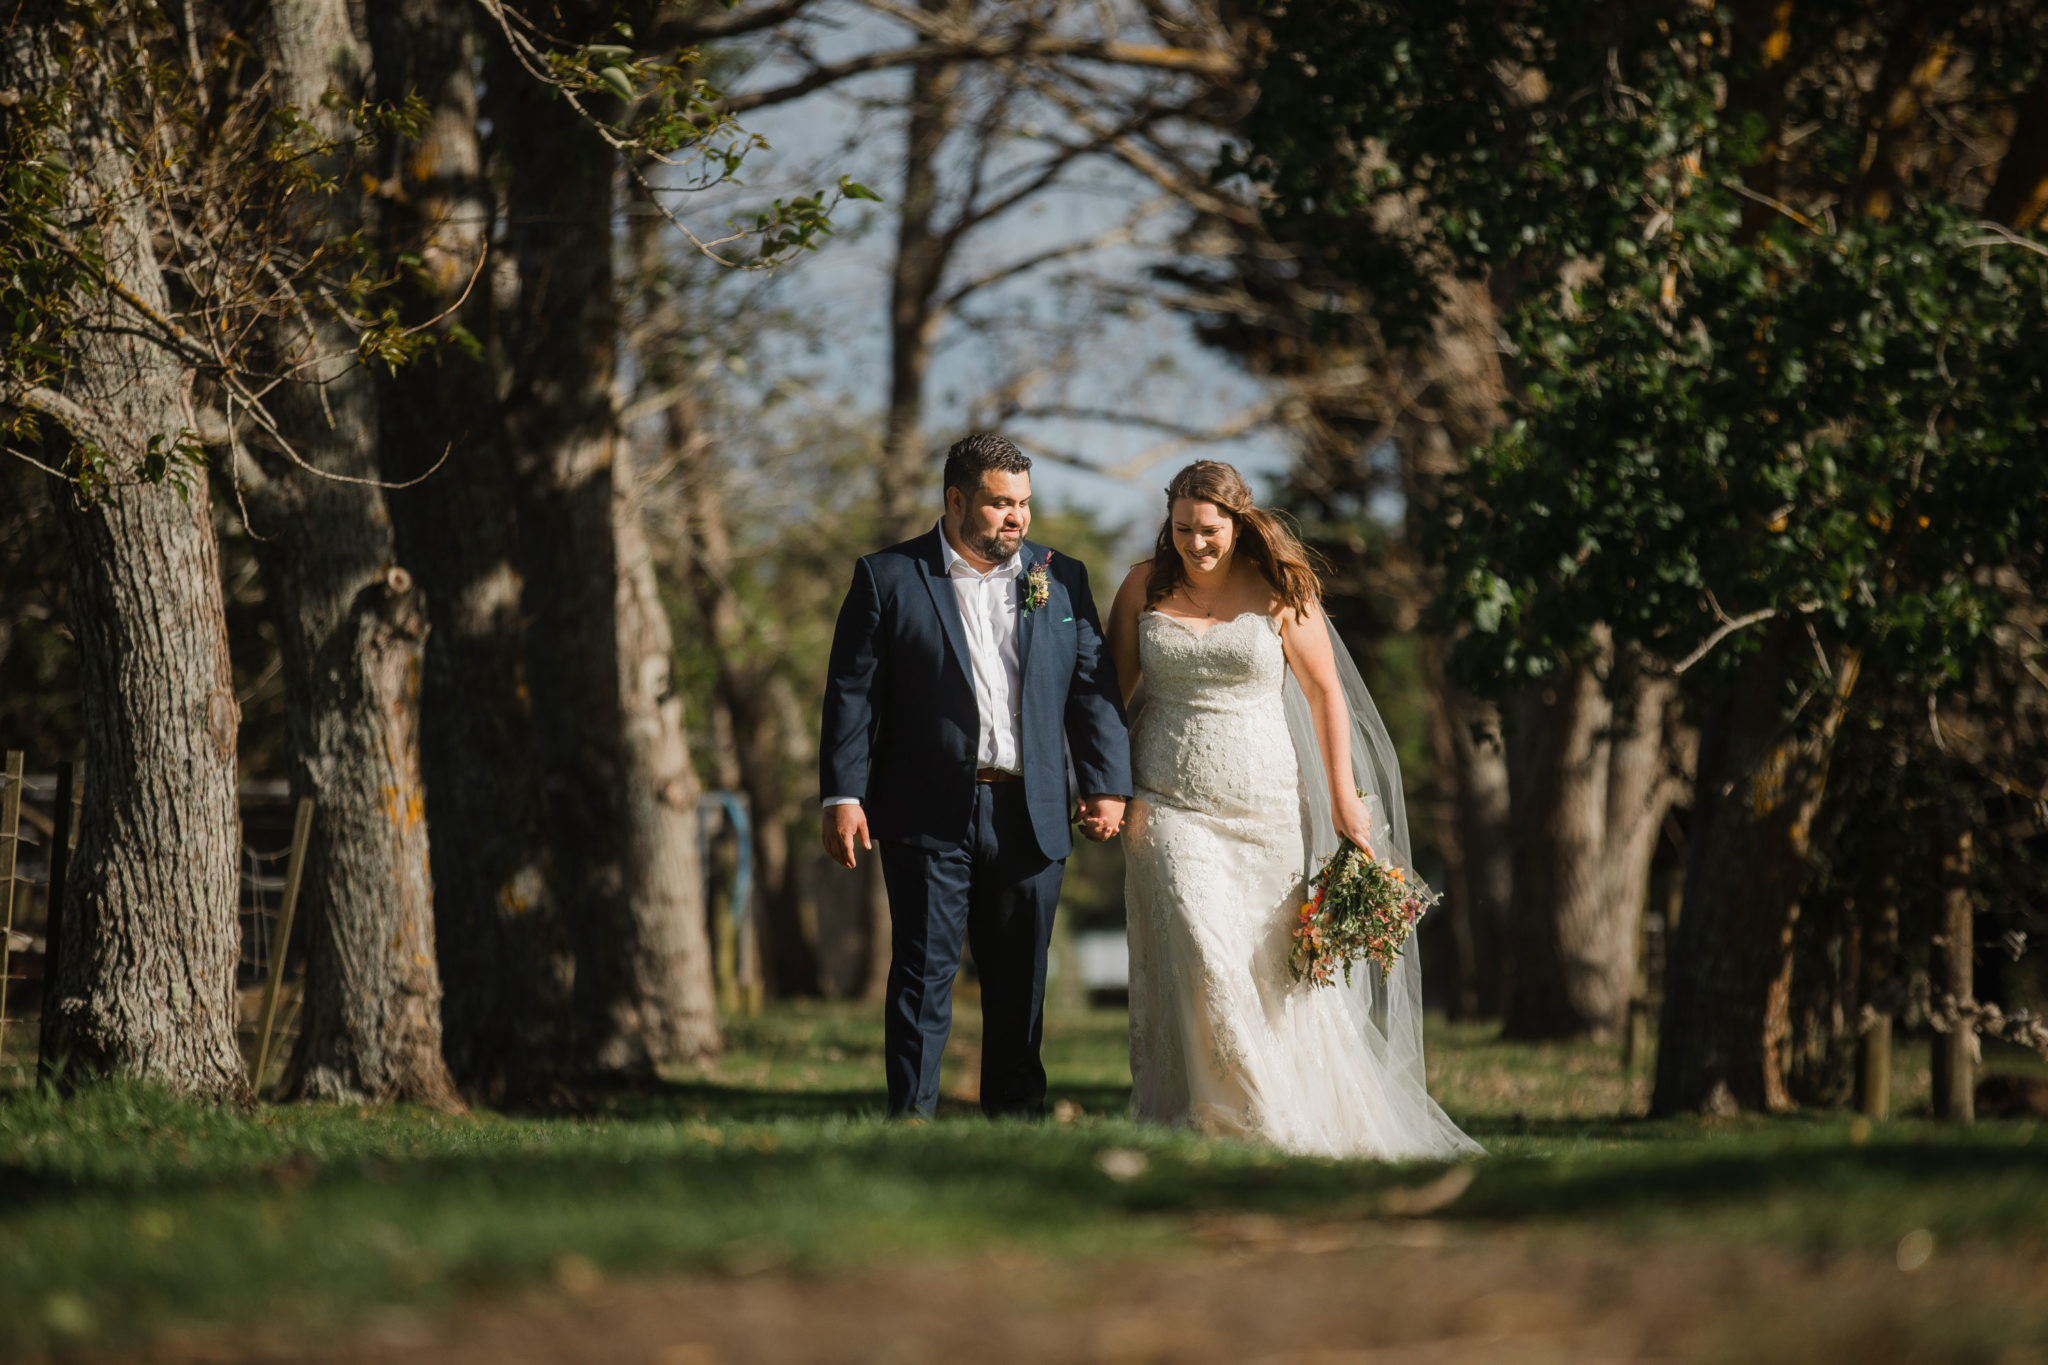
x,y
1211,630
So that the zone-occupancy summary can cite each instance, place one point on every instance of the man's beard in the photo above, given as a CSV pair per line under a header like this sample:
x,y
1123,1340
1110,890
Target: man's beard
x,y
995,549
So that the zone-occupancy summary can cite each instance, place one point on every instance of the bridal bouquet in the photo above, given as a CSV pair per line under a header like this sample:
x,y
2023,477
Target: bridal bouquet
x,y
1361,908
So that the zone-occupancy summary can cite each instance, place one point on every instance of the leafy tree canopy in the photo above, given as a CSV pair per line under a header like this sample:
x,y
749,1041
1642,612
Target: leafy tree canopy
x,y
1769,361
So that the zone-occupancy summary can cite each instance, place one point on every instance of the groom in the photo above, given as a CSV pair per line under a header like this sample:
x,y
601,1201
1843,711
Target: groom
x,y
961,661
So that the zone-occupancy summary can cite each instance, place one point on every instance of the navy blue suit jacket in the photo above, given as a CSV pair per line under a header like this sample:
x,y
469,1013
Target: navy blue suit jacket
x,y
901,723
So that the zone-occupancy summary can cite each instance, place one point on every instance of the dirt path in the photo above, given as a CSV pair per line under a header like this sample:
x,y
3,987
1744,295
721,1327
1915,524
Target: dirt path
x,y
1381,1294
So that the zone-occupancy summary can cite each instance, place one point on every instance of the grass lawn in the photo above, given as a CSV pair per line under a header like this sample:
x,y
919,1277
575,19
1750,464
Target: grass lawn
x,y
124,1214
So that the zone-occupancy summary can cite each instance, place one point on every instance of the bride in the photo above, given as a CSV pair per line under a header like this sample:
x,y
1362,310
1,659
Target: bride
x,y
1242,701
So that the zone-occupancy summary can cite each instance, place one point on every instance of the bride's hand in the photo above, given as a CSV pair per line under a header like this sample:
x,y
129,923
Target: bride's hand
x,y
1354,822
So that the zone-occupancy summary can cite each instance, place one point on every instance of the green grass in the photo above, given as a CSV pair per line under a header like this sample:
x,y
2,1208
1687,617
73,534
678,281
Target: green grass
x,y
123,1212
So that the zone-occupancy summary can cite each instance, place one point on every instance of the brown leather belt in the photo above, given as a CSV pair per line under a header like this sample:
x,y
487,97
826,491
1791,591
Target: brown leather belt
x,y
996,775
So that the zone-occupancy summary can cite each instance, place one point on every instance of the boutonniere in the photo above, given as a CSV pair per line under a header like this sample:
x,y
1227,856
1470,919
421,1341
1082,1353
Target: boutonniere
x,y
1038,585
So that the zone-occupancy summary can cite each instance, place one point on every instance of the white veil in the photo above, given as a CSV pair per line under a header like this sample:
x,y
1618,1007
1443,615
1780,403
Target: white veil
x,y
1386,1008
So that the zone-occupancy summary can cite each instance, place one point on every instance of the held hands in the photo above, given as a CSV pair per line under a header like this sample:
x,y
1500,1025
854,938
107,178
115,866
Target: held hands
x,y
1354,822
843,825
1101,817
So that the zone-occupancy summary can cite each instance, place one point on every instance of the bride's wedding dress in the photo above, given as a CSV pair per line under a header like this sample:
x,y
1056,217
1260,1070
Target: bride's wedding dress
x,y
1219,843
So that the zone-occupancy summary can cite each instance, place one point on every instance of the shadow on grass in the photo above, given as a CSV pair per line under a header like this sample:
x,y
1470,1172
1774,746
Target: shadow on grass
x,y
722,1101
706,1143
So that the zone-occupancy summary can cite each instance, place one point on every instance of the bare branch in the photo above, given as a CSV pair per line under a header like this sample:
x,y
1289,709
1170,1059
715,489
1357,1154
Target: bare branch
x,y
1728,626
82,425
1780,205
1187,61
1151,166
2002,235
1123,232
1230,429
27,458
676,32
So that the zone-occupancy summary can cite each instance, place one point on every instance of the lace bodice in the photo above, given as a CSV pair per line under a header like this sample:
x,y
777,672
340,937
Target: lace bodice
x,y
1213,731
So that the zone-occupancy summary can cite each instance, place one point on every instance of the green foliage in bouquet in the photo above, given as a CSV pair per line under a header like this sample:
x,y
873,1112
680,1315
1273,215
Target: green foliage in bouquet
x,y
1361,909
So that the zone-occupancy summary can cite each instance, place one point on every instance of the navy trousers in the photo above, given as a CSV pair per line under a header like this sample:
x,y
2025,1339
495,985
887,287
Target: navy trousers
x,y
998,890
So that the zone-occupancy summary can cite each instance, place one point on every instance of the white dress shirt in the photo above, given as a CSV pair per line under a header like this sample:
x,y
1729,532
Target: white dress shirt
x,y
989,614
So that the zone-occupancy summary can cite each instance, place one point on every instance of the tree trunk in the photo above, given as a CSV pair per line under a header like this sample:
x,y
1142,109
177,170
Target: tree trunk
x,y
349,632
914,318
1459,407
1474,839
1587,813
1727,991
1893,108
1876,961
1955,1052
1761,41
763,714
2019,196
151,935
1649,768
874,979
503,950
620,791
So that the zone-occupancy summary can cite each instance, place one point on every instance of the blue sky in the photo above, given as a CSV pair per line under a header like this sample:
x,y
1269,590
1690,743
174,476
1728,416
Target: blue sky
x,y
1147,362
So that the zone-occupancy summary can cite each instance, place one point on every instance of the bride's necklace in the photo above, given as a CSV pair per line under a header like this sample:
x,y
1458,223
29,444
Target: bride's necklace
x,y
1196,602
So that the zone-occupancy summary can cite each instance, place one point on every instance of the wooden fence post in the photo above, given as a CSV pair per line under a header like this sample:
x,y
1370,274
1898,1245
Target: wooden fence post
x,y
1874,1069
64,821
302,829
10,831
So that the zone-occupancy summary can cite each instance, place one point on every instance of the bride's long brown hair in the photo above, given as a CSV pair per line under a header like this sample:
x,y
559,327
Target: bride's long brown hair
x,y
1261,537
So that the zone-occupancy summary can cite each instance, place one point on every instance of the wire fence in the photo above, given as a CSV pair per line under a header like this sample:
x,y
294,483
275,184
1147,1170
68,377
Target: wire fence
x,y
31,820
37,809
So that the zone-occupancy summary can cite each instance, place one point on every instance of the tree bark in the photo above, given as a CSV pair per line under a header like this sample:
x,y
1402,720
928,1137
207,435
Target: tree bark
x,y
1894,107
1487,843
2019,196
1474,839
349,630
1876,961
922,253
1955,1052
763,713
1587,813
1459,407
1761,45
504,957
151,935
1726,1019
621,795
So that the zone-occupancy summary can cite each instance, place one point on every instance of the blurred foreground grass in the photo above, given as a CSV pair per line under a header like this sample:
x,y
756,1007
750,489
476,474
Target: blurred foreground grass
x,y
123,1212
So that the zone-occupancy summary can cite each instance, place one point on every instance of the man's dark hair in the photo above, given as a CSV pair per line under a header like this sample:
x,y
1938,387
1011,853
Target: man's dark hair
x,y
975,455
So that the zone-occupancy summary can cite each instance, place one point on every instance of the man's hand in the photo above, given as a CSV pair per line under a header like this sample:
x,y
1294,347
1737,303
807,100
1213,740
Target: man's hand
x,y
843,825
1102,817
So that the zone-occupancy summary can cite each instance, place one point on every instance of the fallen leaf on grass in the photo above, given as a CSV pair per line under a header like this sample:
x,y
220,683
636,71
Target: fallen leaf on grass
x,y
1121,1164
1419,1201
